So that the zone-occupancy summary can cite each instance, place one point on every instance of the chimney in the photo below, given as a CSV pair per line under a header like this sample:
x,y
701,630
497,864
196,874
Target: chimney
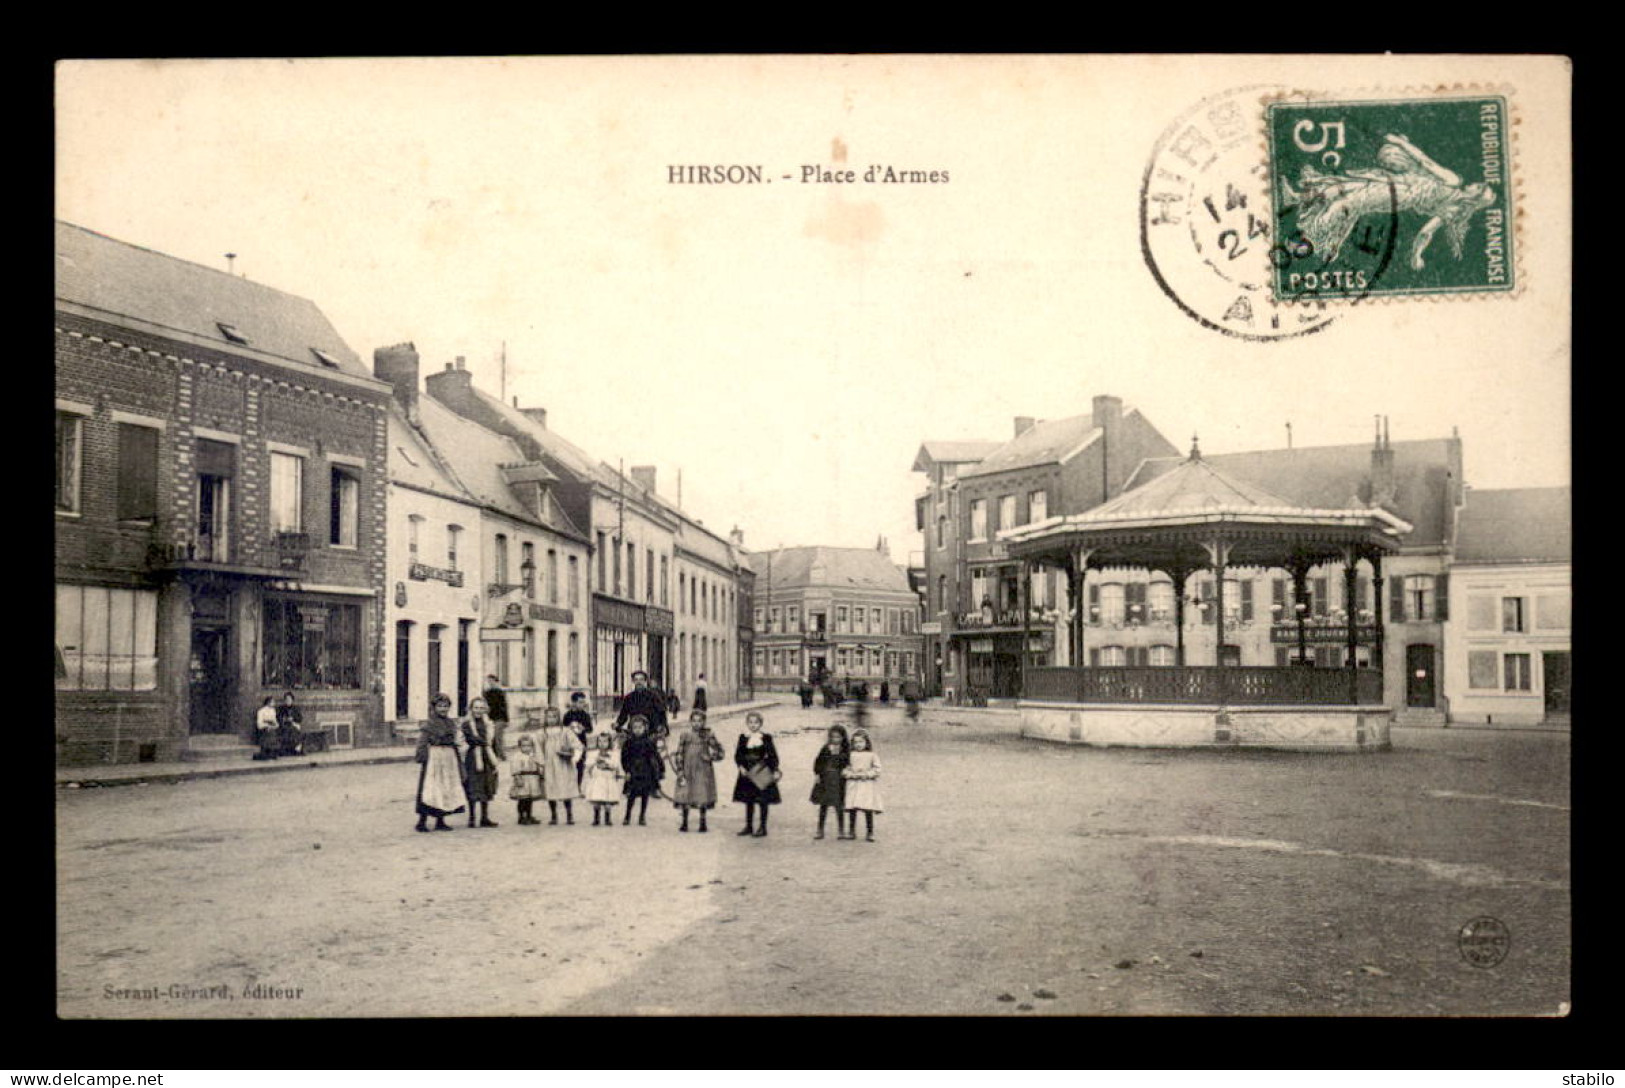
x,y
644,476
453,387
1382,468
398,365
1108,417
1024,424
737,537
537,415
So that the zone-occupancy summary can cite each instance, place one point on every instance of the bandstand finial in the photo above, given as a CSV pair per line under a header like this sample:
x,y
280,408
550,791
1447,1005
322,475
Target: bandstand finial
x,y
1196,450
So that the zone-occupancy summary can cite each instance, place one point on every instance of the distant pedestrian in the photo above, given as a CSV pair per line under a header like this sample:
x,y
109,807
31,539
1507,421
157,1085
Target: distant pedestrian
x,y
699,693
646,702
496,700
289,722
758,783
697,749
558,756
673,704
527,779
579,720
604,778
829,784
265,729
862,776
482,744
805,690
885,691
644,767
440,774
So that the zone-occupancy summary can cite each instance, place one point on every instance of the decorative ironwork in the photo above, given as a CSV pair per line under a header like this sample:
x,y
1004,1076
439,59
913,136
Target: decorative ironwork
x,y
1205,684
422,572
290,550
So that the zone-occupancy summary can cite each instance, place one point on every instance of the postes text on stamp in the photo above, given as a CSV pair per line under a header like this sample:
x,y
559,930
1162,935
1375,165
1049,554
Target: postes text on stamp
x,y
1390,197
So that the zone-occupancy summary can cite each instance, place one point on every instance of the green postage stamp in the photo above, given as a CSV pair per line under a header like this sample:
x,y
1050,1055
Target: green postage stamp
x,y
1391,197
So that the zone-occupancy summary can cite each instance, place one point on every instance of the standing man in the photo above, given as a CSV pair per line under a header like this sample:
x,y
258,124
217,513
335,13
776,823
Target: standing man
x,y
496,701
645,702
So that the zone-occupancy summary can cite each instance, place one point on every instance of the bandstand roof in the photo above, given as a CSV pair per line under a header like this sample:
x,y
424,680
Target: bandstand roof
x,y
1167,522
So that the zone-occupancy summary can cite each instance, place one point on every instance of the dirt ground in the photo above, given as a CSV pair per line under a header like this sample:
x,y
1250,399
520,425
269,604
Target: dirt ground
x,y
1009,877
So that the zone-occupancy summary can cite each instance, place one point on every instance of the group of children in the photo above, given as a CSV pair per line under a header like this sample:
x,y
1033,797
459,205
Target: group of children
x,y
566,761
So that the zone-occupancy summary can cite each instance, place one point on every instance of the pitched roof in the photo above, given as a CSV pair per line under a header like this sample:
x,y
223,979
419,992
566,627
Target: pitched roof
x,y
1044,443
121,279
956,453
1339,477
856,568
1526,524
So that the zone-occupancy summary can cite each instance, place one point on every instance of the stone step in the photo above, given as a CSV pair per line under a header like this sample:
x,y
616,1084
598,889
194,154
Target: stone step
x,y
210,747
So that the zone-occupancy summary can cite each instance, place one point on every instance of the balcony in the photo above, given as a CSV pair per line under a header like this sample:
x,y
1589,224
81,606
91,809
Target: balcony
x,y
286,554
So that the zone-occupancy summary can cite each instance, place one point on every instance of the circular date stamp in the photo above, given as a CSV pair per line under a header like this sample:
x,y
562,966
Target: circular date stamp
x,y
1207,229
1484,941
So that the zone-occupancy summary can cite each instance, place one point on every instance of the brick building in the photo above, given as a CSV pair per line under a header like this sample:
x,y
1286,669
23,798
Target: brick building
x,y
220,510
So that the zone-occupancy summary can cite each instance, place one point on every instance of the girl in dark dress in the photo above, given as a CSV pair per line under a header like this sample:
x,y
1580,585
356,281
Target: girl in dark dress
x,y
640,759
829,785
482,745
289,725
755,750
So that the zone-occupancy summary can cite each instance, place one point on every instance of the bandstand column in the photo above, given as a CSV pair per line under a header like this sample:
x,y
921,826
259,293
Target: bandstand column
x,y
1179,575
1350,558
1300,606
1377,598
1026,593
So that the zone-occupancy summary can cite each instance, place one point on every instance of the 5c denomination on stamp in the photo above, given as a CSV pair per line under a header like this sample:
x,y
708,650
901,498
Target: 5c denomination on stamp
x,y
1390,197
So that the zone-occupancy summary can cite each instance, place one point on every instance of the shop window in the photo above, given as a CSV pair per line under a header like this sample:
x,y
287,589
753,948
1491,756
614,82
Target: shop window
x,y
310,644
106,639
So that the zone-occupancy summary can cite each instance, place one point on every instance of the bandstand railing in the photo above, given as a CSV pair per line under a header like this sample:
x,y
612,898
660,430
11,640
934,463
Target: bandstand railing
x,y
1205,684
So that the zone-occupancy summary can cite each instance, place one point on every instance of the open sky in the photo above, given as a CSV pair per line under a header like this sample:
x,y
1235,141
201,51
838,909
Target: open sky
x,y
787,346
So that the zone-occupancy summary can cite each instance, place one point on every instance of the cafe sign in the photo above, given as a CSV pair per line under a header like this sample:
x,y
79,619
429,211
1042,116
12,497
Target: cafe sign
x,y
513,615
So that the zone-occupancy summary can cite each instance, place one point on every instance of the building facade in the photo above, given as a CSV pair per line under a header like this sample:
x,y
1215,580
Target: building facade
x,y
221,486
836,613
499,574
1509,640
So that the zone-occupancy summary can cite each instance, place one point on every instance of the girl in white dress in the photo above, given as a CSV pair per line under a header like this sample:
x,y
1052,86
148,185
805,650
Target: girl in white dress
x,y
604,779
862,776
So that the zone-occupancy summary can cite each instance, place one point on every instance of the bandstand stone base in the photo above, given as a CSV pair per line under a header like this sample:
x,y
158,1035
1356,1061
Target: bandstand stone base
x,y
1285,728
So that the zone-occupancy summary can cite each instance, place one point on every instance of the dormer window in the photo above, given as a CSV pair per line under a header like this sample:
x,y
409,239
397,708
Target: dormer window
x,y
321,356
230,333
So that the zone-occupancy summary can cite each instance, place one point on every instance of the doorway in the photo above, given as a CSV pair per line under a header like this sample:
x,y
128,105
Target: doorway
x,y
1555,665
210,682
1419,679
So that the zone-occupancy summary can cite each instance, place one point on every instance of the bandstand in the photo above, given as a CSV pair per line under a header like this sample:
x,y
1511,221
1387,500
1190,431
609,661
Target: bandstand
x,y
1197,518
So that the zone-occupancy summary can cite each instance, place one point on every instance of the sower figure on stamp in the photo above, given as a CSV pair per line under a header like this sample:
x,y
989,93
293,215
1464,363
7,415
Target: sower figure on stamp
x,y
482,740
440,767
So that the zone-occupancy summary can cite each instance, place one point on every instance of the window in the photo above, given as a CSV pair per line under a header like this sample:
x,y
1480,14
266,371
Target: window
x,y
575,657
602,582
1161,656
287,486
412,531
631,569
772,620
649,576
436,630
137,472
106,639
575,591
552,576
1481,614
1111,655
311,644
979,589
665,584
1517,672
840,621
452,532
942,593
1512,614
403,669
978,519
1481,669
756,659
552,673
1007,512
345,519
1419,590
216,463
1037,505
527,654
499,562
874,621
68,444
942,531
792,619
527,567
615,548
757,616
1320,596
1160,600
1111,602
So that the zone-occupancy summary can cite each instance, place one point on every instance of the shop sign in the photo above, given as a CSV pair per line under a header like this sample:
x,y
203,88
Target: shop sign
x,y
981,645
659,621
502,634
550,614
931,628
513,615
1336,634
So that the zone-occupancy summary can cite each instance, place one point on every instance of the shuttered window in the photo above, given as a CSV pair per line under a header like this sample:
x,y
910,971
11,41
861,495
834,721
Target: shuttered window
x,y
137,472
